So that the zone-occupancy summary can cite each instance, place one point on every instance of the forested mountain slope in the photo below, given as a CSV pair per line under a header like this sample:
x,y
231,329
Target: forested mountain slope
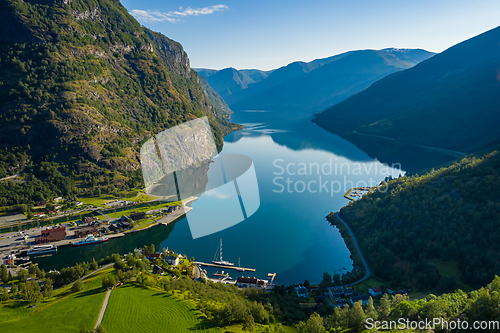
x,y
82,86
451,214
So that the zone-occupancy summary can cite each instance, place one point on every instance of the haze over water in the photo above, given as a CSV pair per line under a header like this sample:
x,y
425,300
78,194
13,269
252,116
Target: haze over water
x,y
288,234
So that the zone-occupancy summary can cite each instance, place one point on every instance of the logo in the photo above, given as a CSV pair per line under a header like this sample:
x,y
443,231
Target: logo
x,y
182,163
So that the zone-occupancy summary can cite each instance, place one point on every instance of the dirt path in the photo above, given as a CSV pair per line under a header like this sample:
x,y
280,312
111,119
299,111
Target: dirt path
x,y
103,309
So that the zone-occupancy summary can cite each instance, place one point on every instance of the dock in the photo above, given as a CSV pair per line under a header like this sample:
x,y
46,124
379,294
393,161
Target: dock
x,y
243,269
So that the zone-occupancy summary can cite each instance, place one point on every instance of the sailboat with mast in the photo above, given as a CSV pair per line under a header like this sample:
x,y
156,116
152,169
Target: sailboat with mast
x,y
239,269
220,261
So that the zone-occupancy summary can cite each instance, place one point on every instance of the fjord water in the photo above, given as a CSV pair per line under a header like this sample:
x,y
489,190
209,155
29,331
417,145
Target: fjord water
x,y
288,234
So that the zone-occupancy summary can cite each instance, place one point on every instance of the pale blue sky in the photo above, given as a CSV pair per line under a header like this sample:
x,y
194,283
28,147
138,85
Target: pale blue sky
x,y
269,34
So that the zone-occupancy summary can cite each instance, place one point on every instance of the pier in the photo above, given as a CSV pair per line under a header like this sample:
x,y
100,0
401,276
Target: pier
x,y
243,269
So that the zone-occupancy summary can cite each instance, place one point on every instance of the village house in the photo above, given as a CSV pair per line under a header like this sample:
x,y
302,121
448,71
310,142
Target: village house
x,y
399,292
363,298
153,256
157,270
302,292
138,216
376,291
347,291
122,223
89,219
244,282
85,231
172,260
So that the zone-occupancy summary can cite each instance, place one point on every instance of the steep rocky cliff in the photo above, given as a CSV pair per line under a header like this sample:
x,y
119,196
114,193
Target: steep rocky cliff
x,y
82,85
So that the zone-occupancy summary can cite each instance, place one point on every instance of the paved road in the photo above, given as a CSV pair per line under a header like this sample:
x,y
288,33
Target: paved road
x,y
10,177
97,270
103,309
105,215
367,269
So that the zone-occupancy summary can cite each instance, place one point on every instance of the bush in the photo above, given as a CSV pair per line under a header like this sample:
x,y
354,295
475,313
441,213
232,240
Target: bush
x,y
77,286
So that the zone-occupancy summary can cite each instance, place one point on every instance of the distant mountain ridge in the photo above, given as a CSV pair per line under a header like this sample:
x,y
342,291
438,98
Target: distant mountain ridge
x,y
311,86
450,101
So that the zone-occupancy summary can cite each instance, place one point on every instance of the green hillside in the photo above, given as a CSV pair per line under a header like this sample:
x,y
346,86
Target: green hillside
x,y
415,229
82,86
449,101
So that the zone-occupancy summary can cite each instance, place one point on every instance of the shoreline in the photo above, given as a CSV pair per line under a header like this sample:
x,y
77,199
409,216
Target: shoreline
x,y
352,245
164,220
169,218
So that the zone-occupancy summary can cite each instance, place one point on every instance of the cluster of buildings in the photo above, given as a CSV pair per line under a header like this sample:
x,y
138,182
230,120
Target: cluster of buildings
x,y
346,295
339,292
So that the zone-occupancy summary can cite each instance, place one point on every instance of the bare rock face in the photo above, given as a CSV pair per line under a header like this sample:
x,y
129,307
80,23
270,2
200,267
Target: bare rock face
x,y
93,14
171,52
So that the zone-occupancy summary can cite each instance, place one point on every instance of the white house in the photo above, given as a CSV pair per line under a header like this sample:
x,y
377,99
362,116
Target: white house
x,y
172,260
376,291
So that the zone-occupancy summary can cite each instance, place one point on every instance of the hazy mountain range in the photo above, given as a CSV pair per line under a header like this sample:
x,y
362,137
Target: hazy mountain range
x,y
451,100
310,86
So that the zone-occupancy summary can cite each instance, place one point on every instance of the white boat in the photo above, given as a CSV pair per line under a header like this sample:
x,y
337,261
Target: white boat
x,y
239,269
90,239
41,249
220,261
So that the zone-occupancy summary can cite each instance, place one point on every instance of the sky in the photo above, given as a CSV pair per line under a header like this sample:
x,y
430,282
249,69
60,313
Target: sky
x,y
272,33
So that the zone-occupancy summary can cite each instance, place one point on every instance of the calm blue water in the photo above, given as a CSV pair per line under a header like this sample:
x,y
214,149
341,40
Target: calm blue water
x,y
288,234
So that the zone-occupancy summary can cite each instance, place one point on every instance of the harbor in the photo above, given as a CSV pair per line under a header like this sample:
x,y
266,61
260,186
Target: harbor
x,y
240,269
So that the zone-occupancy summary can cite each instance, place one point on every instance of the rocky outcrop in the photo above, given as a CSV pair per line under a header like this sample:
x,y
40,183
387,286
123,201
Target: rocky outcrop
x,y
93,14
171,52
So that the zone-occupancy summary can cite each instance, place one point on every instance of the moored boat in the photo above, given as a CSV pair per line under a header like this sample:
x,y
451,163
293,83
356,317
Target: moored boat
x,y
90,239
41,249
220,261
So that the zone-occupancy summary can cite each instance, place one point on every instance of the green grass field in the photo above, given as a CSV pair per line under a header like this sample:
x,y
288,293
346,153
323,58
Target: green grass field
x,y
136,210
132,195
371,282
136,309
63,312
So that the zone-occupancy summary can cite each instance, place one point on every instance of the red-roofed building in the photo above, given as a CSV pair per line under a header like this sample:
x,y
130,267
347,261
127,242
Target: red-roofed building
x,y
153,256
376,291
251,282
51,235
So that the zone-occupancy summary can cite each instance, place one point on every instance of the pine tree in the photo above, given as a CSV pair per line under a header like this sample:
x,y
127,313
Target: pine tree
x,y
371,312
356,316
385,306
